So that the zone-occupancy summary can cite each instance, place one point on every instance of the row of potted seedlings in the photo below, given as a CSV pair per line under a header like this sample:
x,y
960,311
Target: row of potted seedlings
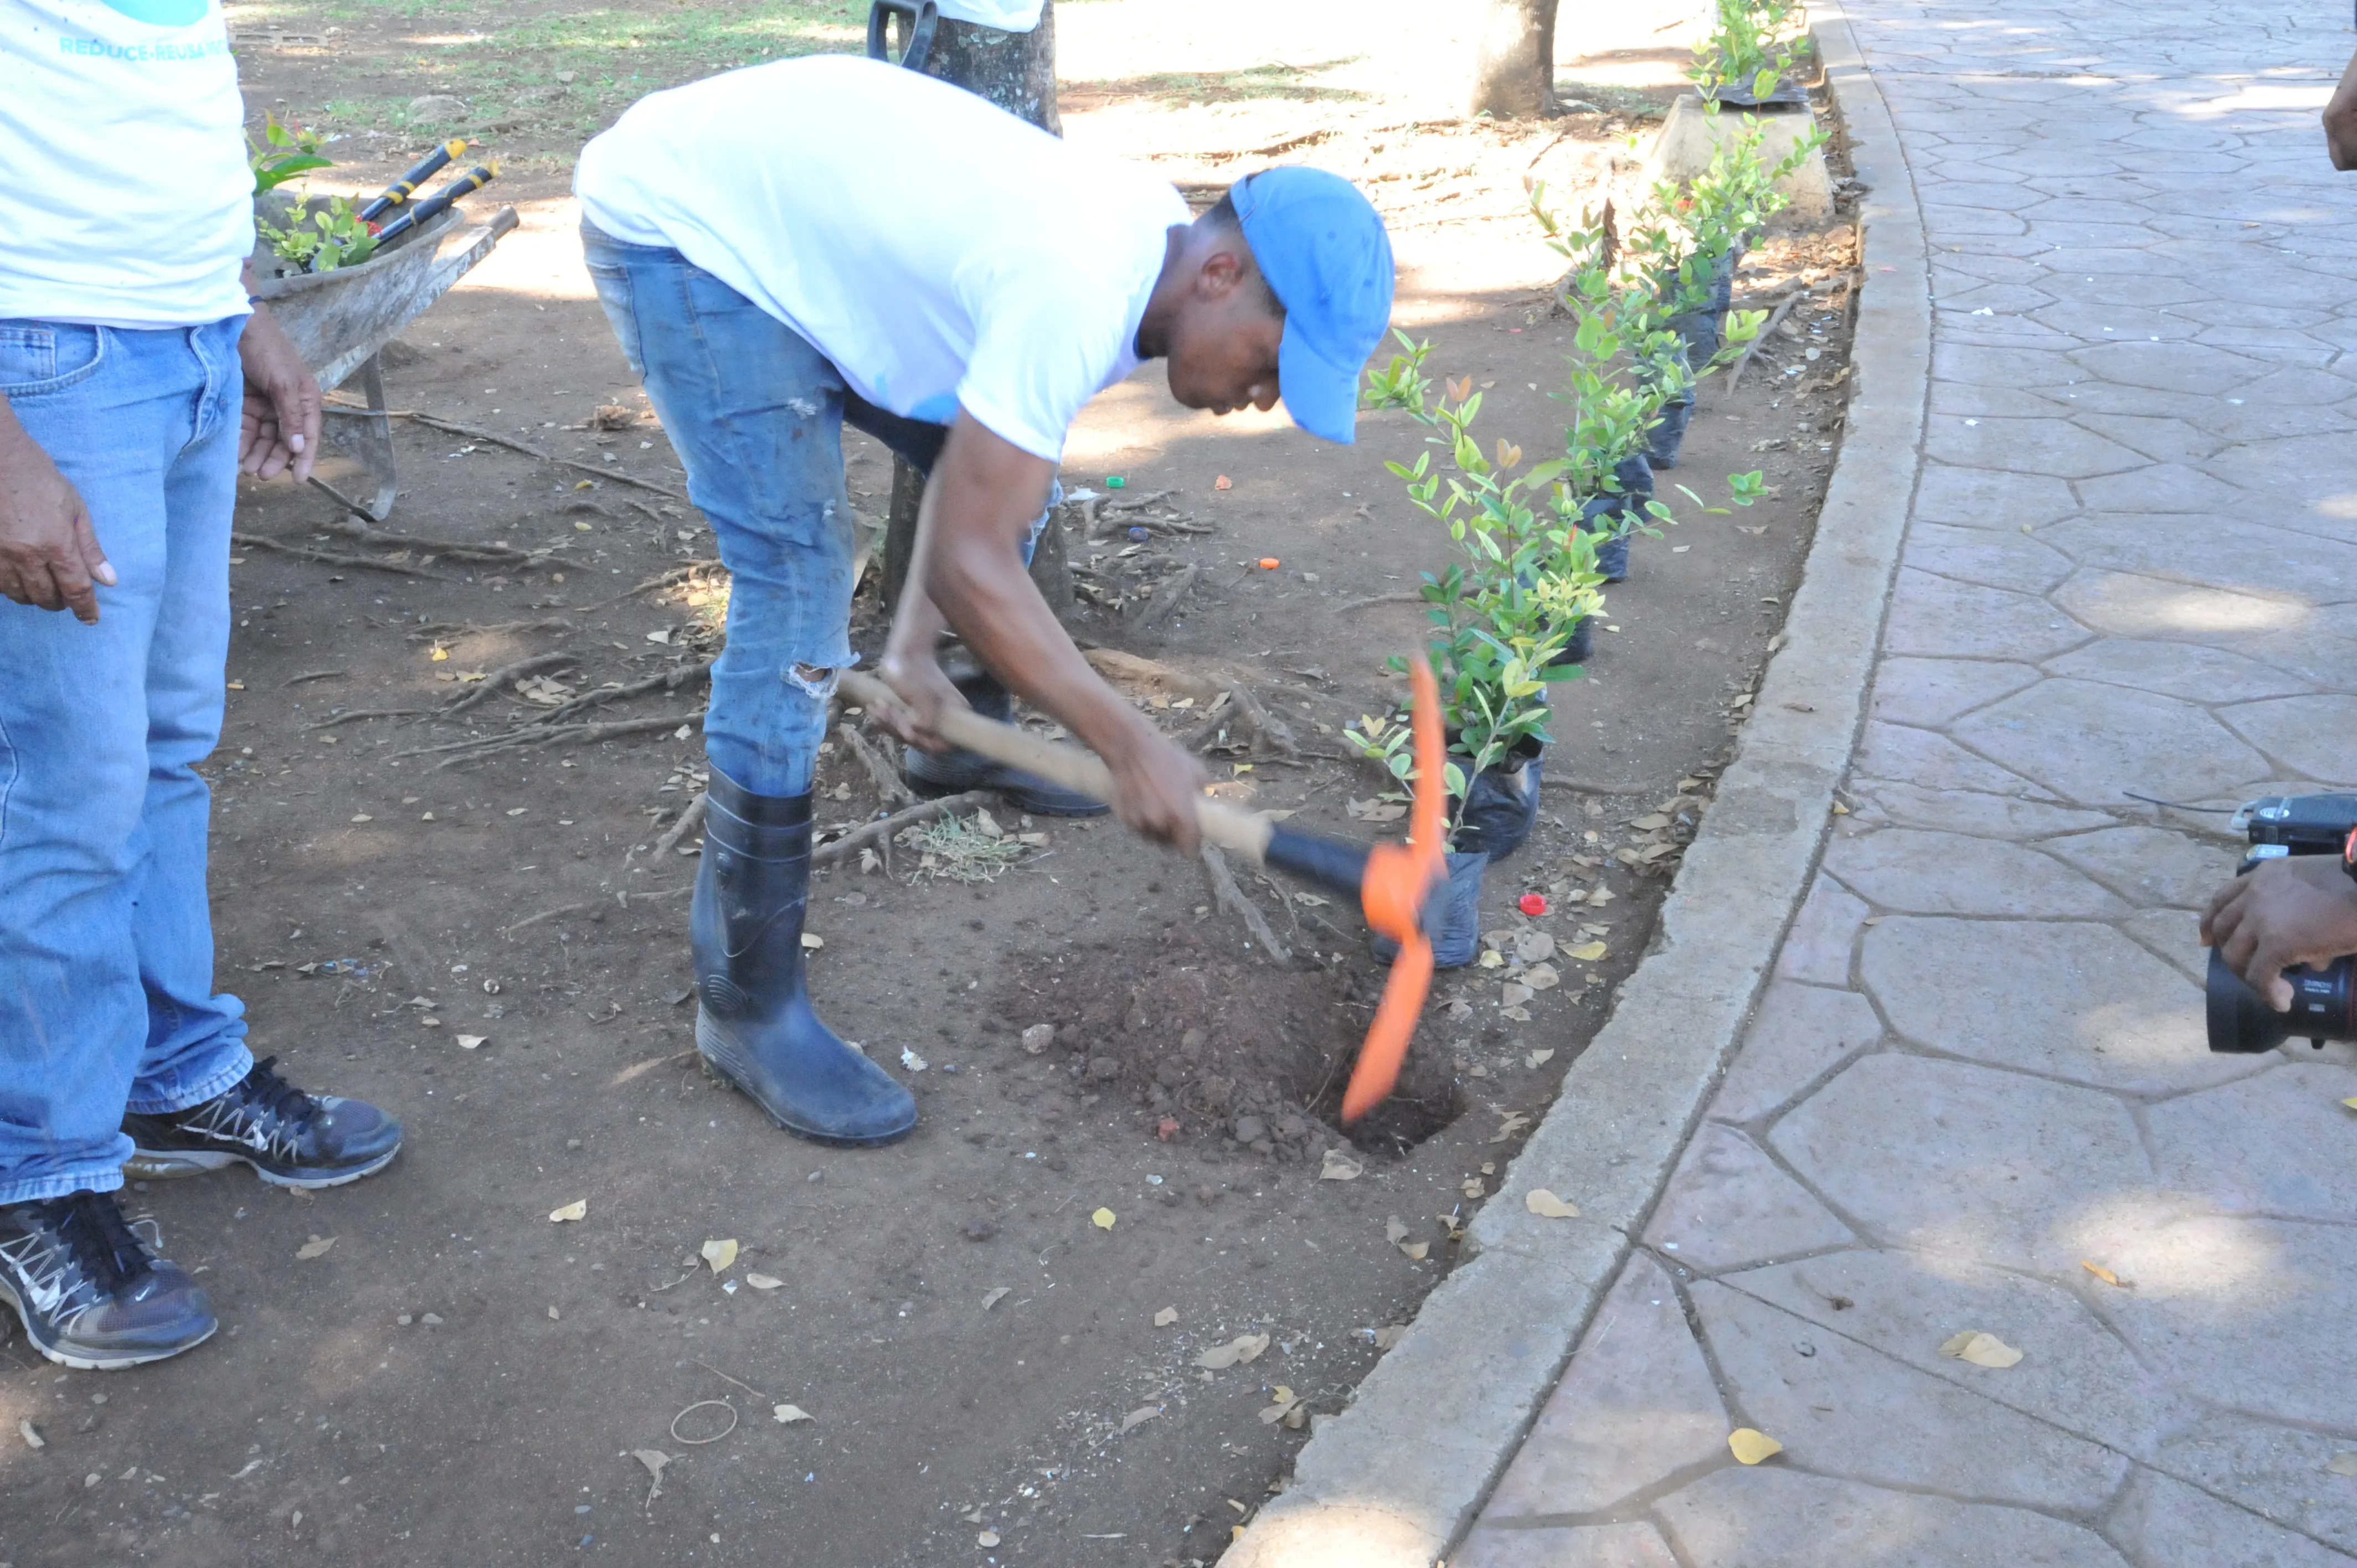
x,y
1650,312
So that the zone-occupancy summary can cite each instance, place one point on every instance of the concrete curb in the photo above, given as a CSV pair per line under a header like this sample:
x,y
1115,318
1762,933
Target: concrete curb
x,y
1399,1476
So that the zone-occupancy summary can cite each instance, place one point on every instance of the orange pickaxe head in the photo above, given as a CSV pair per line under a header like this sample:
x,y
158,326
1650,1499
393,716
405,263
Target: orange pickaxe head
x,y
1399,887
1394,893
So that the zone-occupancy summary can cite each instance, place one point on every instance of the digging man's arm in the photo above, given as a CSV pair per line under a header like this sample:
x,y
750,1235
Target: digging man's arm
x,y
969,570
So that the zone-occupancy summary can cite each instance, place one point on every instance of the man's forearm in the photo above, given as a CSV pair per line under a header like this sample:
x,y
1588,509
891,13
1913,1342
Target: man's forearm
x,y
969,579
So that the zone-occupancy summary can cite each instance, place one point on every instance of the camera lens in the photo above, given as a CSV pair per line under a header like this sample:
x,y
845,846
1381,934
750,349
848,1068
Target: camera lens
x,y
2324,1007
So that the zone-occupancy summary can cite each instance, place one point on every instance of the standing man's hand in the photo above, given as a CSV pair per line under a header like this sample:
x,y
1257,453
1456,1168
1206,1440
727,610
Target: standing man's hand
x,y
2301,909
280,424
49,553
2340,119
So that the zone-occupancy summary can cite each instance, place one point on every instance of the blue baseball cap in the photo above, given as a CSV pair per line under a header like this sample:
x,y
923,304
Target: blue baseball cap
x,y
1322,248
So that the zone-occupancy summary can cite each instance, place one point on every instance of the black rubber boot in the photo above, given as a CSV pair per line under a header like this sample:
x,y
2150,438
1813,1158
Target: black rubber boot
x,y
755,1026
954,771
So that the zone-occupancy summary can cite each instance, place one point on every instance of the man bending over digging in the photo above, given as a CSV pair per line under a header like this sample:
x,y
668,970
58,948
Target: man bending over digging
x,y
790,247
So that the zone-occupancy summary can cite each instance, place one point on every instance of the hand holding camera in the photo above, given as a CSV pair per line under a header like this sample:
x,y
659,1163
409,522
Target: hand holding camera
x,y
2280,935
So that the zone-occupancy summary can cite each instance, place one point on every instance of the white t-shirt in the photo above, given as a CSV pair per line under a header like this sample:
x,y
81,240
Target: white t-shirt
x,y
1012,15
124,196
942,253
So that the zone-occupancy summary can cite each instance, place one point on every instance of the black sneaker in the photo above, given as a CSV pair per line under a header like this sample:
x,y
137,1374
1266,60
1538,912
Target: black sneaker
x,y
290,1138
93,1297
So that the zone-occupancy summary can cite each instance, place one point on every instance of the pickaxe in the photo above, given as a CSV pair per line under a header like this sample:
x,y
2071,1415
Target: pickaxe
x,y
1401,888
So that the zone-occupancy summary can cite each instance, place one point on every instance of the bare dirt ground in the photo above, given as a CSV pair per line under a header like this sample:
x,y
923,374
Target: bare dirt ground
x,y
461,1379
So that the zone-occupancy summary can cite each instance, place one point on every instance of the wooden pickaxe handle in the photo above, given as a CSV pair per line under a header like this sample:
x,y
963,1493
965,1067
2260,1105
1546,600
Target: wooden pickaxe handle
x,y
1245,833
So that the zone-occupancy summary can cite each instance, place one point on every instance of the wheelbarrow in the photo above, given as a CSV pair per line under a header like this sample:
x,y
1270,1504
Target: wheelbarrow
x,y
340,320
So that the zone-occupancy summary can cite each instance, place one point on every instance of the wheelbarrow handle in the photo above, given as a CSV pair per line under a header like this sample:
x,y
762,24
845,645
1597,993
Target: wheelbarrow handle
x,y
924,16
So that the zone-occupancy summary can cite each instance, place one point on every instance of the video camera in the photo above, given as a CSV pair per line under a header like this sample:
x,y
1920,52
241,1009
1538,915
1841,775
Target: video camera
x,y
2323,1000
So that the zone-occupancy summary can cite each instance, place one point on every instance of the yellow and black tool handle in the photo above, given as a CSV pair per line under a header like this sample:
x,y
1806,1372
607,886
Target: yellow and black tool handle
x,y
405,188
425,212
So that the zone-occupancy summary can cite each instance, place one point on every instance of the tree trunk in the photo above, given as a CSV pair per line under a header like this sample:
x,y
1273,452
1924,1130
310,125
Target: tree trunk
x,y
1513,70
1017,72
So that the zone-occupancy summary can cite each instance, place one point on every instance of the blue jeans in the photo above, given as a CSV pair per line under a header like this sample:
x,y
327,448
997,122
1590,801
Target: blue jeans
x,y
756,414
106,943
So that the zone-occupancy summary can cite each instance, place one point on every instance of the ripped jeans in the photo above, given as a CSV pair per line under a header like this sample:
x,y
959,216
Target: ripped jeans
x,y
756,414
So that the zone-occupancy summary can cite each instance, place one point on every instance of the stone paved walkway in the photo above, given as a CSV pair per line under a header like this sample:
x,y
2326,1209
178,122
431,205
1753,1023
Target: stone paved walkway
x,y
2131,564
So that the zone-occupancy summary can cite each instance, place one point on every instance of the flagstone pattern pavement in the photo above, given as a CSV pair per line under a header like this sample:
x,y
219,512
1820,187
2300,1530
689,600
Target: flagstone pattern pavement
x,y
2130,565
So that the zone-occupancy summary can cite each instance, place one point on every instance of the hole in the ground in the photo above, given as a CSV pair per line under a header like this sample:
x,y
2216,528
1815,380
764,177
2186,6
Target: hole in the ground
x,y
1237,1053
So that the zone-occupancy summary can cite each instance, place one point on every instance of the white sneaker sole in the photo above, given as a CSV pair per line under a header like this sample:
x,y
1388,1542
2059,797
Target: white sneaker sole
x,y
147,1166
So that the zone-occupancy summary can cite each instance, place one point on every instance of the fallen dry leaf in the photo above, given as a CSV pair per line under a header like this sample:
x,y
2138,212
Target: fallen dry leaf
x,y
791,1414
1242,1349
469,1042
1539,1058
1530,947
576,1209
317,1247
2341,1464
654,1459
1283,1400
1139,1416
1166,1317
912,1061
2103,1273
1493,959
1585,952
1395,1232
1543,977
1513,993
1749,1446
813,940
1340,1166
763,1281
1103,1218
1980,1349
1389,1335
997,1295
1509,1123
1547,1206
1311,900
719,1254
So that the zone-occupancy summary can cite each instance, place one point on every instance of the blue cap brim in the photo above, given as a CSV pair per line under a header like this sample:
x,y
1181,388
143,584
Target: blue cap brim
x,y
1322,396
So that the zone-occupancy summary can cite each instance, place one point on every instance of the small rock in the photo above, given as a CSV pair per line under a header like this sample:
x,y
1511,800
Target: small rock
x,y
404,1320
1251,1130
1207,1194
431,1319
1038,1037
1290,1127
1262,1146
437,107
571,1142
979,1229
1103,1068
565,78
